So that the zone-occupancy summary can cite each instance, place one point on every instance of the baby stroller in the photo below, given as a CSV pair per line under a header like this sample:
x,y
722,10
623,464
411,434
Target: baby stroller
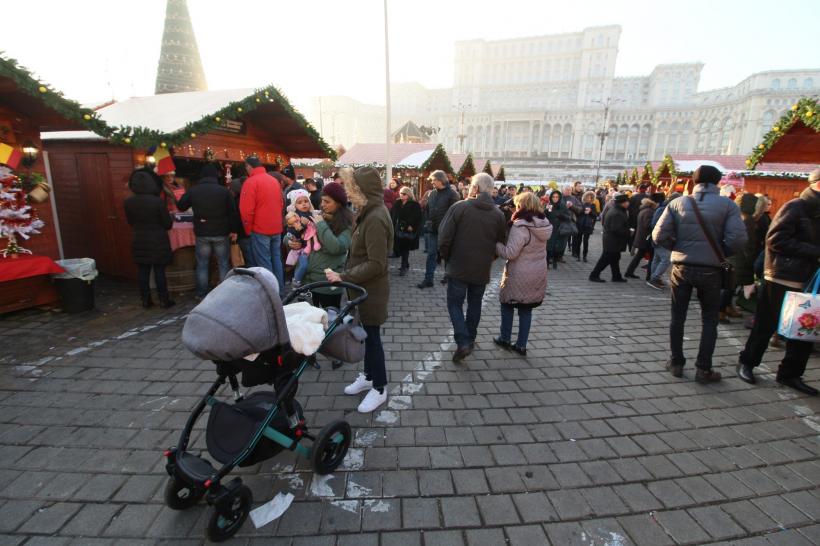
x,y
241,317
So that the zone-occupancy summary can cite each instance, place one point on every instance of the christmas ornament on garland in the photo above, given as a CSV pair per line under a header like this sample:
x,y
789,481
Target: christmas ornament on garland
x,y
16,216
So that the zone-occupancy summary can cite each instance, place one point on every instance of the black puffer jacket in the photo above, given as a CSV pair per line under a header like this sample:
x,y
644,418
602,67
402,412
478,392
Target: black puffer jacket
x,y
642,230
214,208
793,242
438,203
147,214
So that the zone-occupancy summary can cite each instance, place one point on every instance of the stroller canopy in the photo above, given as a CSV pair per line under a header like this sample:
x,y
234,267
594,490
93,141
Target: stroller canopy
x,y
241,316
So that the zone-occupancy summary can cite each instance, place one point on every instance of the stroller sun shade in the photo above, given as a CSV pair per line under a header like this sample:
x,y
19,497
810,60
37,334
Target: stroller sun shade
x,y
241,316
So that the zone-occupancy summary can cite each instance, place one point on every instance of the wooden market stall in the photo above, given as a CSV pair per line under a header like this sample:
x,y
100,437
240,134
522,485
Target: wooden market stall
x,y
27,107
501,175
665,174
91,169
648,174
795,138
405,158
466,167
436,161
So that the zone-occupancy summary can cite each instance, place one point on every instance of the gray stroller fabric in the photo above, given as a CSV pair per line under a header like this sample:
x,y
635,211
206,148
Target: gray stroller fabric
x,y
346,343
241,316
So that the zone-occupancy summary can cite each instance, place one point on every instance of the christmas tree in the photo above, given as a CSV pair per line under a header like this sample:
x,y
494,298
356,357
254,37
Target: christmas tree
x,y
16,216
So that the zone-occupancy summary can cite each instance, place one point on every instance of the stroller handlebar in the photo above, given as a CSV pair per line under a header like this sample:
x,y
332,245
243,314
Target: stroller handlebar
x,y
362,293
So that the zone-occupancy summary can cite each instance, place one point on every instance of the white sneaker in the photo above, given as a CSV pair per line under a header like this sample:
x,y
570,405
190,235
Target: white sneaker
x,y
360,385
373,400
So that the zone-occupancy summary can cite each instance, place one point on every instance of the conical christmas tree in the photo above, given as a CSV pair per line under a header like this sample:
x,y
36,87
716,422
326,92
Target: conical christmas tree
x,y
180,67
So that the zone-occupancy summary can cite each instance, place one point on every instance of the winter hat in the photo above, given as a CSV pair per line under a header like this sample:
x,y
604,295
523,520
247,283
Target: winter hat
x,y
658,197
208,170
337,192
706,174
296,194
288,171
621,198
253,161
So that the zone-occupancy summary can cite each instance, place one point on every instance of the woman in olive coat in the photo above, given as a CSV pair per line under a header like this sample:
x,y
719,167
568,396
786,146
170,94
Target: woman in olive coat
x,y
367,267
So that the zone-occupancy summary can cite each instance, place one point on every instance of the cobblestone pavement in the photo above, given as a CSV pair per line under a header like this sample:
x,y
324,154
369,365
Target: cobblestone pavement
x,y
587,441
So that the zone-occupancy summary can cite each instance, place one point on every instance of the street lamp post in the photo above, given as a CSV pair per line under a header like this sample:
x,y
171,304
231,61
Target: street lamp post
x,y
388,170
461,134
603,134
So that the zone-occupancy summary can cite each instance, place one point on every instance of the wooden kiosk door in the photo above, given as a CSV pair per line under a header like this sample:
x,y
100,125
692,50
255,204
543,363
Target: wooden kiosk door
x,y
101,214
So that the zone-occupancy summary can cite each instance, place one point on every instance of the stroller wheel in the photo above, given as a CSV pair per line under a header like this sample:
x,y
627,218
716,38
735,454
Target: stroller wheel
x,y
181,496
330,447
224,523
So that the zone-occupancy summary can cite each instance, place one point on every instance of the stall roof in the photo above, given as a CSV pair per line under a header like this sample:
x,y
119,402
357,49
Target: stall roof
x,y
47,107
375,154
728,163
174,118
794,137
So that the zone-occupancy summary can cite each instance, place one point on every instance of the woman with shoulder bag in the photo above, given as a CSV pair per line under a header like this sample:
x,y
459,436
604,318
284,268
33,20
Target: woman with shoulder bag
x,y
524,281
407,221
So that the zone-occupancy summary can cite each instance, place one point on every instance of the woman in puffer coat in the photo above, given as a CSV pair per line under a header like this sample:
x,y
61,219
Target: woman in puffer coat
x,y
524,281
147,214
641,244
557,213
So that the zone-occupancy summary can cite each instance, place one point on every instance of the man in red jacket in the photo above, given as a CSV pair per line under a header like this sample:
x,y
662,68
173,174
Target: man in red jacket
x,y
260,205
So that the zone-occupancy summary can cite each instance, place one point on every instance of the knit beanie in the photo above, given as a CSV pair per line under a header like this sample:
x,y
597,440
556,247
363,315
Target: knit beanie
x,y
335,191
209,170
706,174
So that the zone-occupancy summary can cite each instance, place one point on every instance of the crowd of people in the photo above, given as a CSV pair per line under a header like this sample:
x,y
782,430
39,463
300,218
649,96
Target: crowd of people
x,y
725,248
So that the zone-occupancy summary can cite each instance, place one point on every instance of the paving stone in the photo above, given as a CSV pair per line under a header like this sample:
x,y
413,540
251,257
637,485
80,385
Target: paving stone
x,y
460,512
470,481
381,514
485,537
91,520
420,513
49,518
497,510
645,531
16,512
681,527
716,522
444,538
749,516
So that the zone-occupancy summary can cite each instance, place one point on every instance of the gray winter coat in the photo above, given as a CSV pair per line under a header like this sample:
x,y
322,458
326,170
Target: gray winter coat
x,y
525,276
467,238
678,227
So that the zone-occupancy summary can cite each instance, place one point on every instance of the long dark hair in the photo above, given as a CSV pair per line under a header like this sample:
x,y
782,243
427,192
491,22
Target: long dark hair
x,y
340,220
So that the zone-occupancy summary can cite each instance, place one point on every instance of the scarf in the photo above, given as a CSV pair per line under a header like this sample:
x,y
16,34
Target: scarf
x,y
527,215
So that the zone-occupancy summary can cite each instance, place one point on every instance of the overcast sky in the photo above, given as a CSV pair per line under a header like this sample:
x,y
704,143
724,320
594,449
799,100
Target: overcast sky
x,y
94,50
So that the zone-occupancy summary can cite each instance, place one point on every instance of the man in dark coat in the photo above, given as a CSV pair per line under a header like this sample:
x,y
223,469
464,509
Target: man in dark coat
x,y
147,214
642,243
439,201
466,241
634,208
215,219
792,257
696,266
616,237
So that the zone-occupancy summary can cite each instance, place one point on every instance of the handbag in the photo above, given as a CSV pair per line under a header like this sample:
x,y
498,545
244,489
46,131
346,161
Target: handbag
x,y
727,270
800,313
237,259
567,229
346,343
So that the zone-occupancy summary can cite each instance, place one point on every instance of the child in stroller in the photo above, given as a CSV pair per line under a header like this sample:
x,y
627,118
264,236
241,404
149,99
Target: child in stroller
x,y
241,327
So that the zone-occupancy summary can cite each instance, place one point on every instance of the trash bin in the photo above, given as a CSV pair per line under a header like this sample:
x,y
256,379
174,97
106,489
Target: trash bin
x,y
76,285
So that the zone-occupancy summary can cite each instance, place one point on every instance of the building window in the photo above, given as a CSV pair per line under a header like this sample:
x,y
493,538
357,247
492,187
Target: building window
x,y
808,83
792,83
775,83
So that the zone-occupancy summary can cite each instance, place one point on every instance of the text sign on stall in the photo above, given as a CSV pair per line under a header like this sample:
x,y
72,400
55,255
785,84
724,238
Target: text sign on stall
x,y
233,127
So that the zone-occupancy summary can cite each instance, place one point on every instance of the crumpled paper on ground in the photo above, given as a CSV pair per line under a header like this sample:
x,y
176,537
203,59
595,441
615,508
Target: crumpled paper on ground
x,y
271,510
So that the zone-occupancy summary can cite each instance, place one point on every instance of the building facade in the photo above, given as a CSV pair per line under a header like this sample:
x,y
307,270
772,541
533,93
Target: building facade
x,y
542,97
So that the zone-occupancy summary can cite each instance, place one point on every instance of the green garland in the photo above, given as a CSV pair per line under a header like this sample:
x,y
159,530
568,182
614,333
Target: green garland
x,y
52,98
805,110
501,177
143,137
635,177
667,164
438,153
648,169
469,161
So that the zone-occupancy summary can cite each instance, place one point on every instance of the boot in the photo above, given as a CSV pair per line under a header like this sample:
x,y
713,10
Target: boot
x,y
146,300
723,319
165,301
555,263
733,312
585,258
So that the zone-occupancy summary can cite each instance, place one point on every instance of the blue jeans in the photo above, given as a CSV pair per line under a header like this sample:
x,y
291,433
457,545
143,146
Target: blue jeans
x,y
247,251
464,328
220,246
267,253
431,248
300,270
374,369
524,322
660,262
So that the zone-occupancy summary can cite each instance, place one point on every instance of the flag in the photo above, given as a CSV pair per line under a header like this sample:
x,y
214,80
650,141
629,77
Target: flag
x,y
10,156
165,163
